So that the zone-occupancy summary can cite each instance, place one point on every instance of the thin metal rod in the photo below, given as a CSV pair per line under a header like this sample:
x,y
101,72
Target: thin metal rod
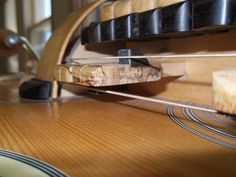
x,y
153,100
160,56
28,47
196,132
84,62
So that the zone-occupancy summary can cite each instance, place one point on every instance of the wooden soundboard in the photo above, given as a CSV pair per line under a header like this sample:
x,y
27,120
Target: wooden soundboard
x,y
106,136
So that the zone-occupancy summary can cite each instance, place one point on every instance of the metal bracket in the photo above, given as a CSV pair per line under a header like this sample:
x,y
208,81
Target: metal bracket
x,y
132,62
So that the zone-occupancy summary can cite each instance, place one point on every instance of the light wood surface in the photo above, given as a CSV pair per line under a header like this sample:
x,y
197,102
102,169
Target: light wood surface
x,y
107,11
106,75
197,86
123,8
106,136
164,3
143,5
100,75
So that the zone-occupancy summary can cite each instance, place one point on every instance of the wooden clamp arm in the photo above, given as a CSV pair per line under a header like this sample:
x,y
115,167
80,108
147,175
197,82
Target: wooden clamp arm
x,y
55,48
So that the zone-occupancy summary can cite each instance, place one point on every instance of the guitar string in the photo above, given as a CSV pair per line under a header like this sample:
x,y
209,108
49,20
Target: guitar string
x,y
153,100
216,119
176,120
161,56
194,118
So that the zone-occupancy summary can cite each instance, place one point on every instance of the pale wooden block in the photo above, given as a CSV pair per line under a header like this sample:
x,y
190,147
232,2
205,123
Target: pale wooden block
x,y
106,75
224,90
123,8
143,5
173,69
116,74
63,74
164,3
109,75
107,11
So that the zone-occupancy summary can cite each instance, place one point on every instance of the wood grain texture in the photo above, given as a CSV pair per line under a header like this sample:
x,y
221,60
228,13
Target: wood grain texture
x,y
123,8
99,75
107,11
164,3
106,75
111,10
143,5
106,136
197,87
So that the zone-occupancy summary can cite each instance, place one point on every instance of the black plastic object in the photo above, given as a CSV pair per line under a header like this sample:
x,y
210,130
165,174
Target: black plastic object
x,y
214,14
132,62
94,33
108,30
150,23
127,27
36,89
182,19
177,18
85,36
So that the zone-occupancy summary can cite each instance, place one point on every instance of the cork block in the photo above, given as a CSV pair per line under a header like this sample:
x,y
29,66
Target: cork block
x,y
164,3
107,11
224,90
123,8
144,5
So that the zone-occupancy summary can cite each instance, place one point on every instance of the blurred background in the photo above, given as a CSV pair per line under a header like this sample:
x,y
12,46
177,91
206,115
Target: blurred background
x,y
34,19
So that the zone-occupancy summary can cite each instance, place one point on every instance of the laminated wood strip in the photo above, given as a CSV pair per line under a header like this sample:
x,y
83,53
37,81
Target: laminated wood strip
x,y
107,11
106,75
144,5
164,3
123,8
116,74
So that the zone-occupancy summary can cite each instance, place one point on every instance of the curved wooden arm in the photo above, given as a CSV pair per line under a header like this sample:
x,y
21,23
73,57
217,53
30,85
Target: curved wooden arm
x,y
56,46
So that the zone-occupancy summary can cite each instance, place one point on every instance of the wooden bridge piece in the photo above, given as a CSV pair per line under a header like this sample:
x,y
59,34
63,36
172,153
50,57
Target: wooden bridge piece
x,y
116,74
106,75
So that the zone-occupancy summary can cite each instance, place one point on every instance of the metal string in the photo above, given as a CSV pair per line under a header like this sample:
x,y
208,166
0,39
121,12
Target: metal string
x,y
172,116
161,56
153,100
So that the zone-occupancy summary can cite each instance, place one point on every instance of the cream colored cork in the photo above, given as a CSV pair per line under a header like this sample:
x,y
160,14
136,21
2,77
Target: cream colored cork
x,y
164,3
107,11
144,5
123,8
224,90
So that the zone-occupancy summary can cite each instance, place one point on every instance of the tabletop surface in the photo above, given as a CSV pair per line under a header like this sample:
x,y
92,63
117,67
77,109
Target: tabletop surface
x,y
107,136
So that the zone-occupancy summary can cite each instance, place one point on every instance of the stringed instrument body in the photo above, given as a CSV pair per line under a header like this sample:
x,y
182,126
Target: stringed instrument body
x,y
175,52
184,43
